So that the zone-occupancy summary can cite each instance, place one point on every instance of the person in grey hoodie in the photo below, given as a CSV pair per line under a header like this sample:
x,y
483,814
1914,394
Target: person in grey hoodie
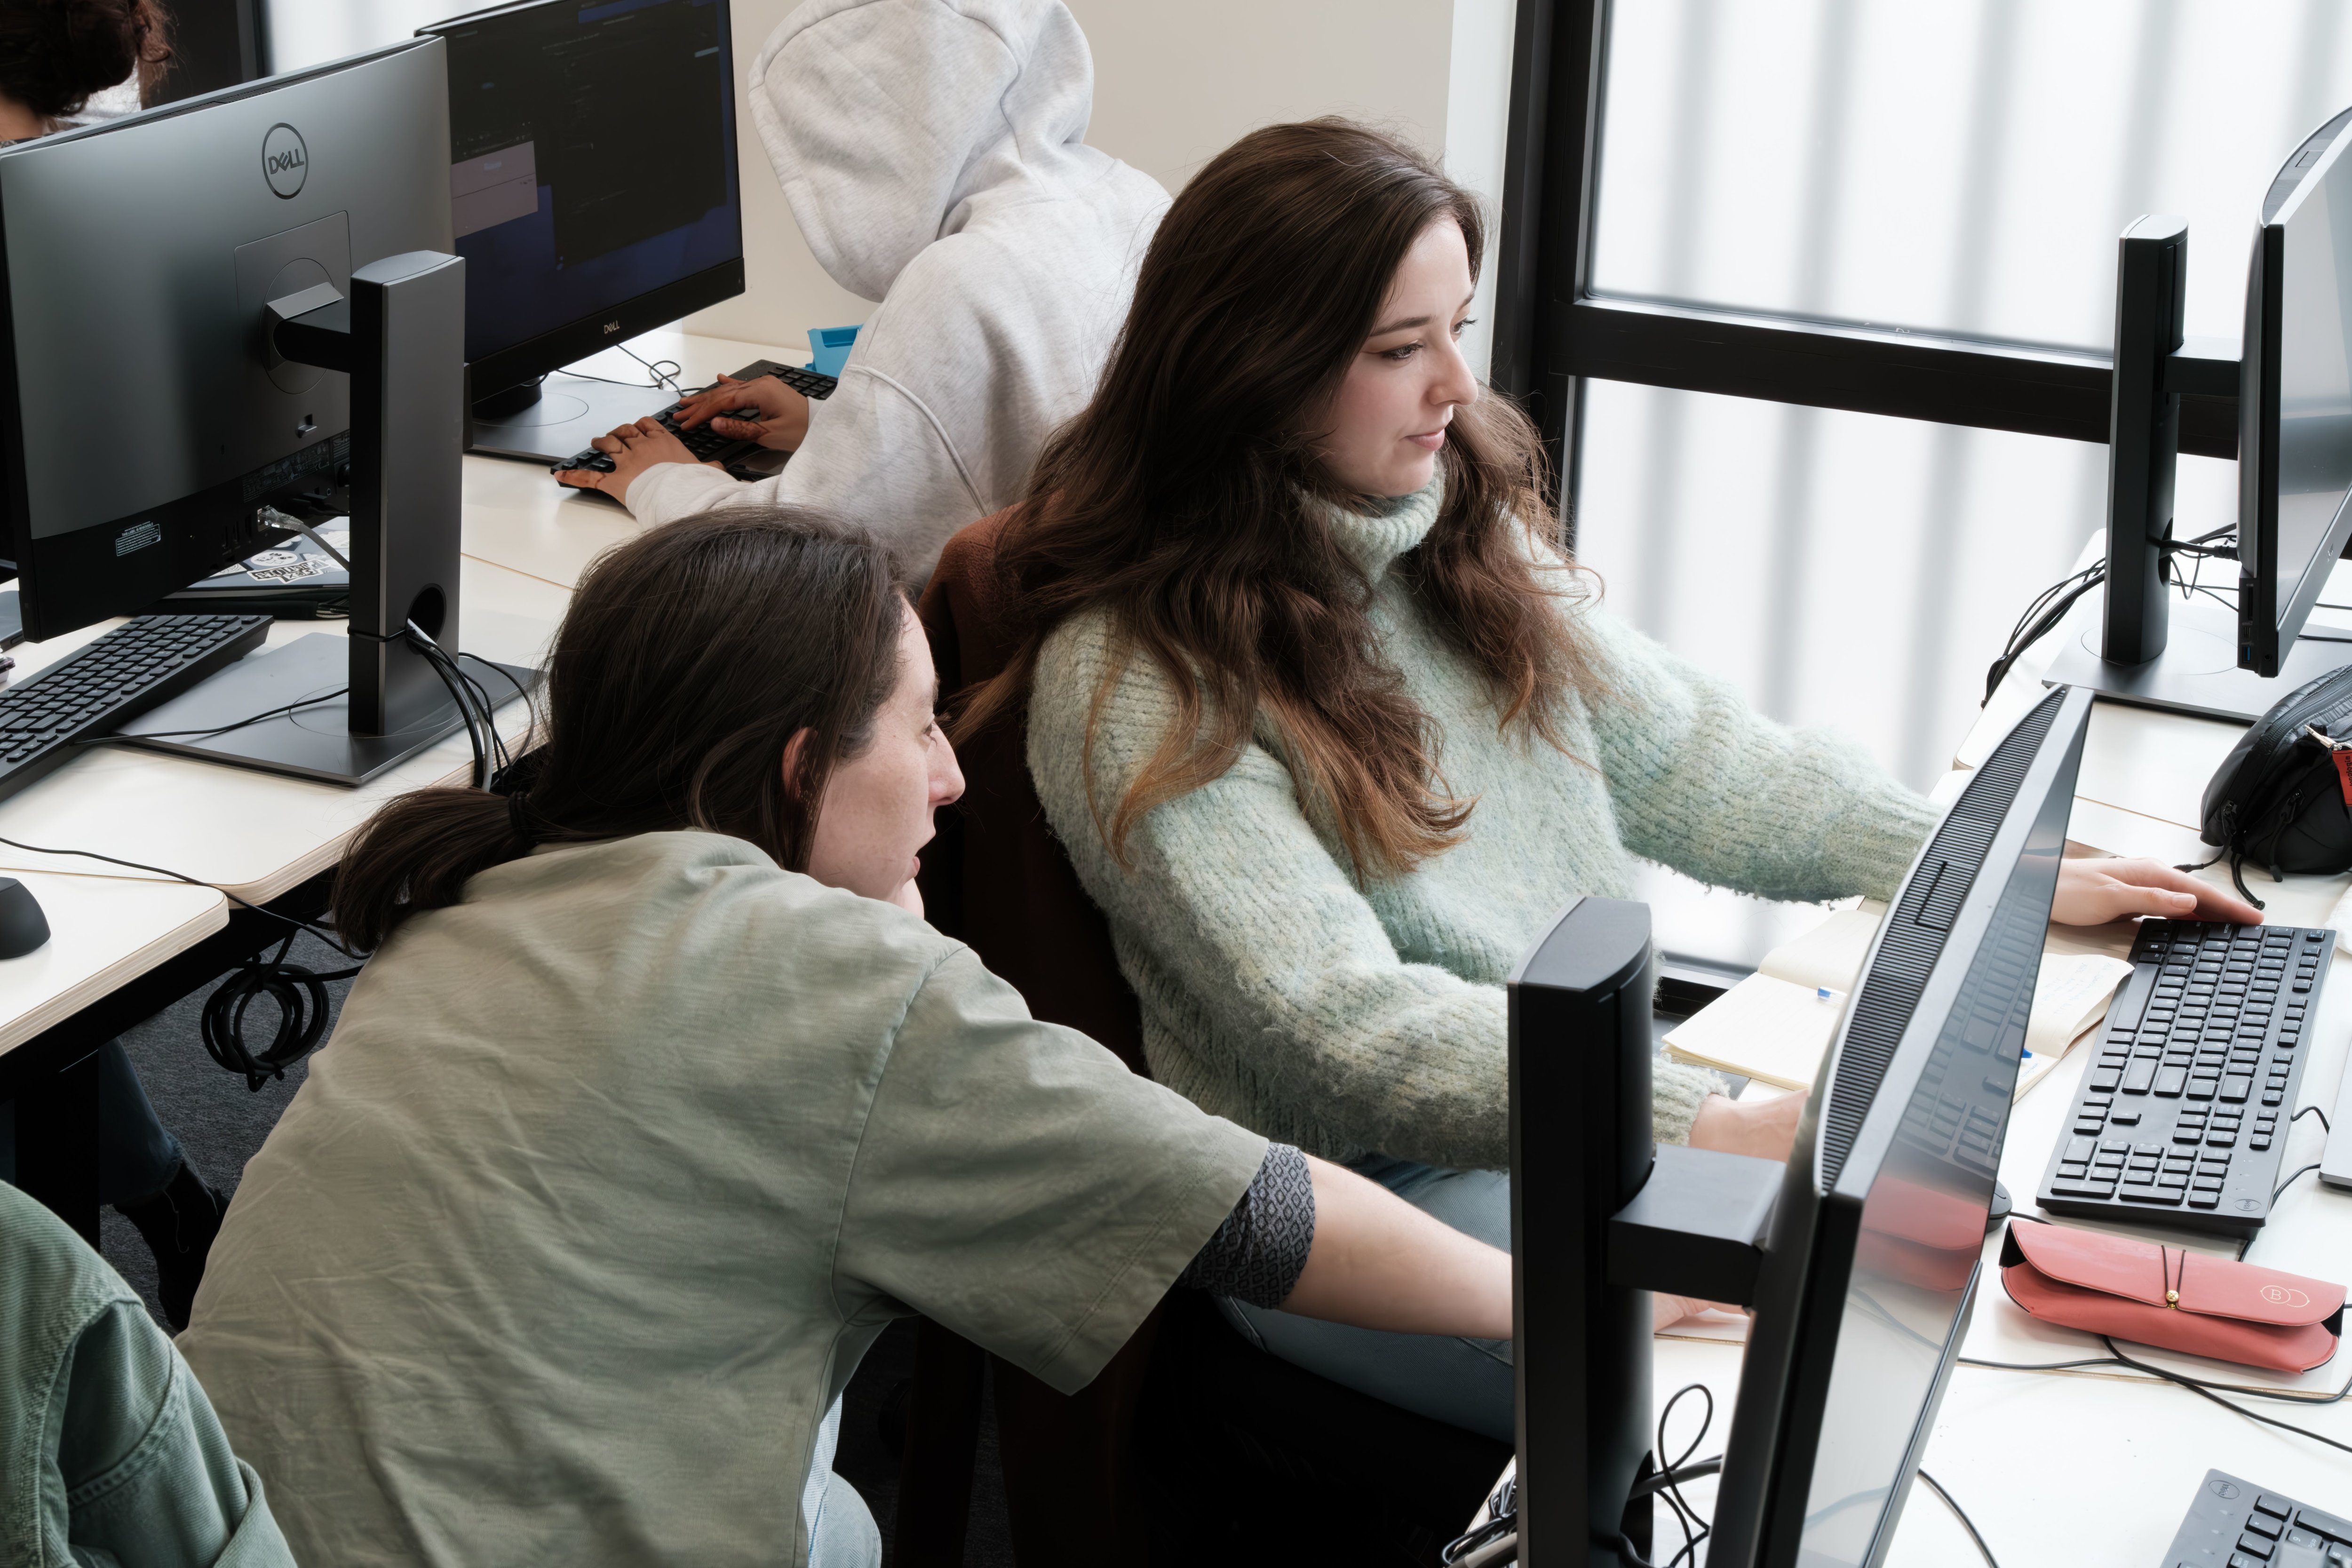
x,y
933,153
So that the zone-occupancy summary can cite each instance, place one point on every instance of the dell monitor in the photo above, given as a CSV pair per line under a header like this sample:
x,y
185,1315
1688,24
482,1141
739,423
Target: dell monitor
x,y
593,192
149,248
268,265
1860,1256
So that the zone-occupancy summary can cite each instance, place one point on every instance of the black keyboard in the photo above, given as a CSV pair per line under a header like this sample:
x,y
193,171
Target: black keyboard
x,y
117,677
2236,1524
707,444
2181,1117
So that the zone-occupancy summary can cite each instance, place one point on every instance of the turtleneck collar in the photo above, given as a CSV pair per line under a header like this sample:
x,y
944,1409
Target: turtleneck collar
x,y
1376,535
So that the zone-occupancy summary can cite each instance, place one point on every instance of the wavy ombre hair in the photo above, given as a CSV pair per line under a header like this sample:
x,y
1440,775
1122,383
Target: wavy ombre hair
x,y
1183,501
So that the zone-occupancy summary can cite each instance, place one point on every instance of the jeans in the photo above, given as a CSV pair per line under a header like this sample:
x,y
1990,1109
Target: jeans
x,y
137,1155
841,1532
1465,1383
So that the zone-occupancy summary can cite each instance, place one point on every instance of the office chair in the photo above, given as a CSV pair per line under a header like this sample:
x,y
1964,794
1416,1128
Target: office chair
x,y
1191,1440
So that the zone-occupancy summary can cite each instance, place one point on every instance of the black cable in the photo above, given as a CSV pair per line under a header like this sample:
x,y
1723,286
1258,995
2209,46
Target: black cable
x,y
2291,1181
1667,1483
298,991
323,934
2197,1388
654,368
1965,1522
301,993
223,730
2312,1110
443,667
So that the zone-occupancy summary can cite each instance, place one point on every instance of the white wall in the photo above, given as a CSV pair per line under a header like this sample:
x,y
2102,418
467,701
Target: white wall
x,y
1176,81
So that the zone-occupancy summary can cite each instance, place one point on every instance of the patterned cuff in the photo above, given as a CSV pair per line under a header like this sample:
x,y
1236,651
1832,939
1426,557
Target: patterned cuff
x,y
1260,1251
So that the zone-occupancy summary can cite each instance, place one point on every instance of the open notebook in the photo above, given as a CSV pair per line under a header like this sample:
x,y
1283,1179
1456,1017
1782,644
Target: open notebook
x,y
1775,1025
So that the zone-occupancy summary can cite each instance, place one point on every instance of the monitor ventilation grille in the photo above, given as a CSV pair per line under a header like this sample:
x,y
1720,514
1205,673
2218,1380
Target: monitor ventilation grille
x,y
1915,932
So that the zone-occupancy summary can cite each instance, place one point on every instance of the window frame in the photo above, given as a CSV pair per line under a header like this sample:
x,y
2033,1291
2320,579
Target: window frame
x,y
1552,332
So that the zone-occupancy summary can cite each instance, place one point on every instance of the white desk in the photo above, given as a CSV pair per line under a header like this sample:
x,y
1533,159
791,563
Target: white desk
x,y
2100,1466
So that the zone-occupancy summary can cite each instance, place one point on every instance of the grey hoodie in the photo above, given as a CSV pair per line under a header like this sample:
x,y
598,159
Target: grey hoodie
x,y
932,152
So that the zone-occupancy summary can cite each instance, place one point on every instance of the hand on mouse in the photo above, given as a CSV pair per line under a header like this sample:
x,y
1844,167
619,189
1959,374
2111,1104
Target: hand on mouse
x,y
634,449
783,420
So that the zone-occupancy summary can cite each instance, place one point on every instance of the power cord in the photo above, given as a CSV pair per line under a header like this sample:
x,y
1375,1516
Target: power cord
x,y
300,991
1668,1482
2049,607
1962,1515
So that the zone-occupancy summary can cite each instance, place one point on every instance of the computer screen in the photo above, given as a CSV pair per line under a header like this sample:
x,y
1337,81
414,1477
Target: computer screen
x,y
1873,1263
2295,412
150,247
593,174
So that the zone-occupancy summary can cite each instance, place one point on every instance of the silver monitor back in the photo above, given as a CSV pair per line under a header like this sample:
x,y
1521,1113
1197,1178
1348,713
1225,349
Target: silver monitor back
x,y
139,259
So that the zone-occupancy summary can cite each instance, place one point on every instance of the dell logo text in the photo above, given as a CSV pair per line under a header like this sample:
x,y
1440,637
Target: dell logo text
x,y
285,160
611,327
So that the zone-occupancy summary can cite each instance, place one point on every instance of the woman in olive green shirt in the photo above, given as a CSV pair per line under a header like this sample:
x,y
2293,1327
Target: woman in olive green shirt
x,y
658,1100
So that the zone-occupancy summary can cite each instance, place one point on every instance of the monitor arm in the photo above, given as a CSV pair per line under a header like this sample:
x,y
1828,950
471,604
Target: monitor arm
x,y
400,336
1602,1215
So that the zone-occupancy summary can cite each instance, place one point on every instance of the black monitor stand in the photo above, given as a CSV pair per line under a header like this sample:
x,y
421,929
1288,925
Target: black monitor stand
x,y
370,700
1602,1215
2131,641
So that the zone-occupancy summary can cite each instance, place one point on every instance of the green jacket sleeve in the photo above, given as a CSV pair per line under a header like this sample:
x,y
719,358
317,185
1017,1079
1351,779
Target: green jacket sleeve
x,y
129,1462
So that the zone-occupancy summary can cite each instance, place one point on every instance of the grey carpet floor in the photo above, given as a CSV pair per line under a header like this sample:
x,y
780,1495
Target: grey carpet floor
x,y
221,1124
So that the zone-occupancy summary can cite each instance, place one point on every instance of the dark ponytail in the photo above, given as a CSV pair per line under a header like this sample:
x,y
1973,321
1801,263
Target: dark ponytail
x,y
689,658
55,53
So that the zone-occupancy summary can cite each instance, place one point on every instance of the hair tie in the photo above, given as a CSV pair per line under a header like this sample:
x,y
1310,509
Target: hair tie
x,y
518,816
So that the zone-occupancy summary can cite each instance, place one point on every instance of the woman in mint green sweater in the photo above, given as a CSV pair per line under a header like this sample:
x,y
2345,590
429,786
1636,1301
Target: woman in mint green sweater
x,y
1332,730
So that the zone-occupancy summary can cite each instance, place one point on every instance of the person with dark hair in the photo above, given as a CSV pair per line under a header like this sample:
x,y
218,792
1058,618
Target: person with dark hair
x,y
55,55
658,1100
1332,727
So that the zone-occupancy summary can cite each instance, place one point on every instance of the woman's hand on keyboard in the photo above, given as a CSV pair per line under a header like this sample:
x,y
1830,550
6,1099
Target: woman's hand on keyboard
x,y
783,420
2092,890
634,449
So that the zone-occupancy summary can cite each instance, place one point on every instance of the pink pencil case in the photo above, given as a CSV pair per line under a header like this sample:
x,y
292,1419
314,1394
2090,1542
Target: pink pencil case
x,y
2165,1296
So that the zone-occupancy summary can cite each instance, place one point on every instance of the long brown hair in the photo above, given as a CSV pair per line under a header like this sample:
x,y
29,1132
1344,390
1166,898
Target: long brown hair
x,y
688,659
1183,501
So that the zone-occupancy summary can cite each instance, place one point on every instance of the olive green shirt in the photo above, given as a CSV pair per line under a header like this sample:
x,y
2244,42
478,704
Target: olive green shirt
x,y
612,1172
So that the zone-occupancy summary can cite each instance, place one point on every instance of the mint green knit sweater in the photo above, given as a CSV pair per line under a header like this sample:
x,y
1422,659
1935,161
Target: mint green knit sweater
x,y
1278,992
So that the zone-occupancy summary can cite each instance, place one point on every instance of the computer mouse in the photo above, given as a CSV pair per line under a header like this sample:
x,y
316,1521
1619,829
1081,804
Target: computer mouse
x,y
22,927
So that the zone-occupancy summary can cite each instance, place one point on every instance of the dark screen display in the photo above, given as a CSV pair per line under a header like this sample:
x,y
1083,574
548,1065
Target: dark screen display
x,y
591,149
1923,1222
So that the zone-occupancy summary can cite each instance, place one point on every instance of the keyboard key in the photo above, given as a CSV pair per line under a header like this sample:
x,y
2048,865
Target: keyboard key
x,y
2204,1200
2074,1172
2258,1547
2082,1189
2170,1081
2263,1523
2167,1196
2259,1142
2234,1088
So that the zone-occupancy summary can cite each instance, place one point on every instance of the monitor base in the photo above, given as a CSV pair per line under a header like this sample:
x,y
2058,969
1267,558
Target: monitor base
x,y
569,412
2197,672
314,741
